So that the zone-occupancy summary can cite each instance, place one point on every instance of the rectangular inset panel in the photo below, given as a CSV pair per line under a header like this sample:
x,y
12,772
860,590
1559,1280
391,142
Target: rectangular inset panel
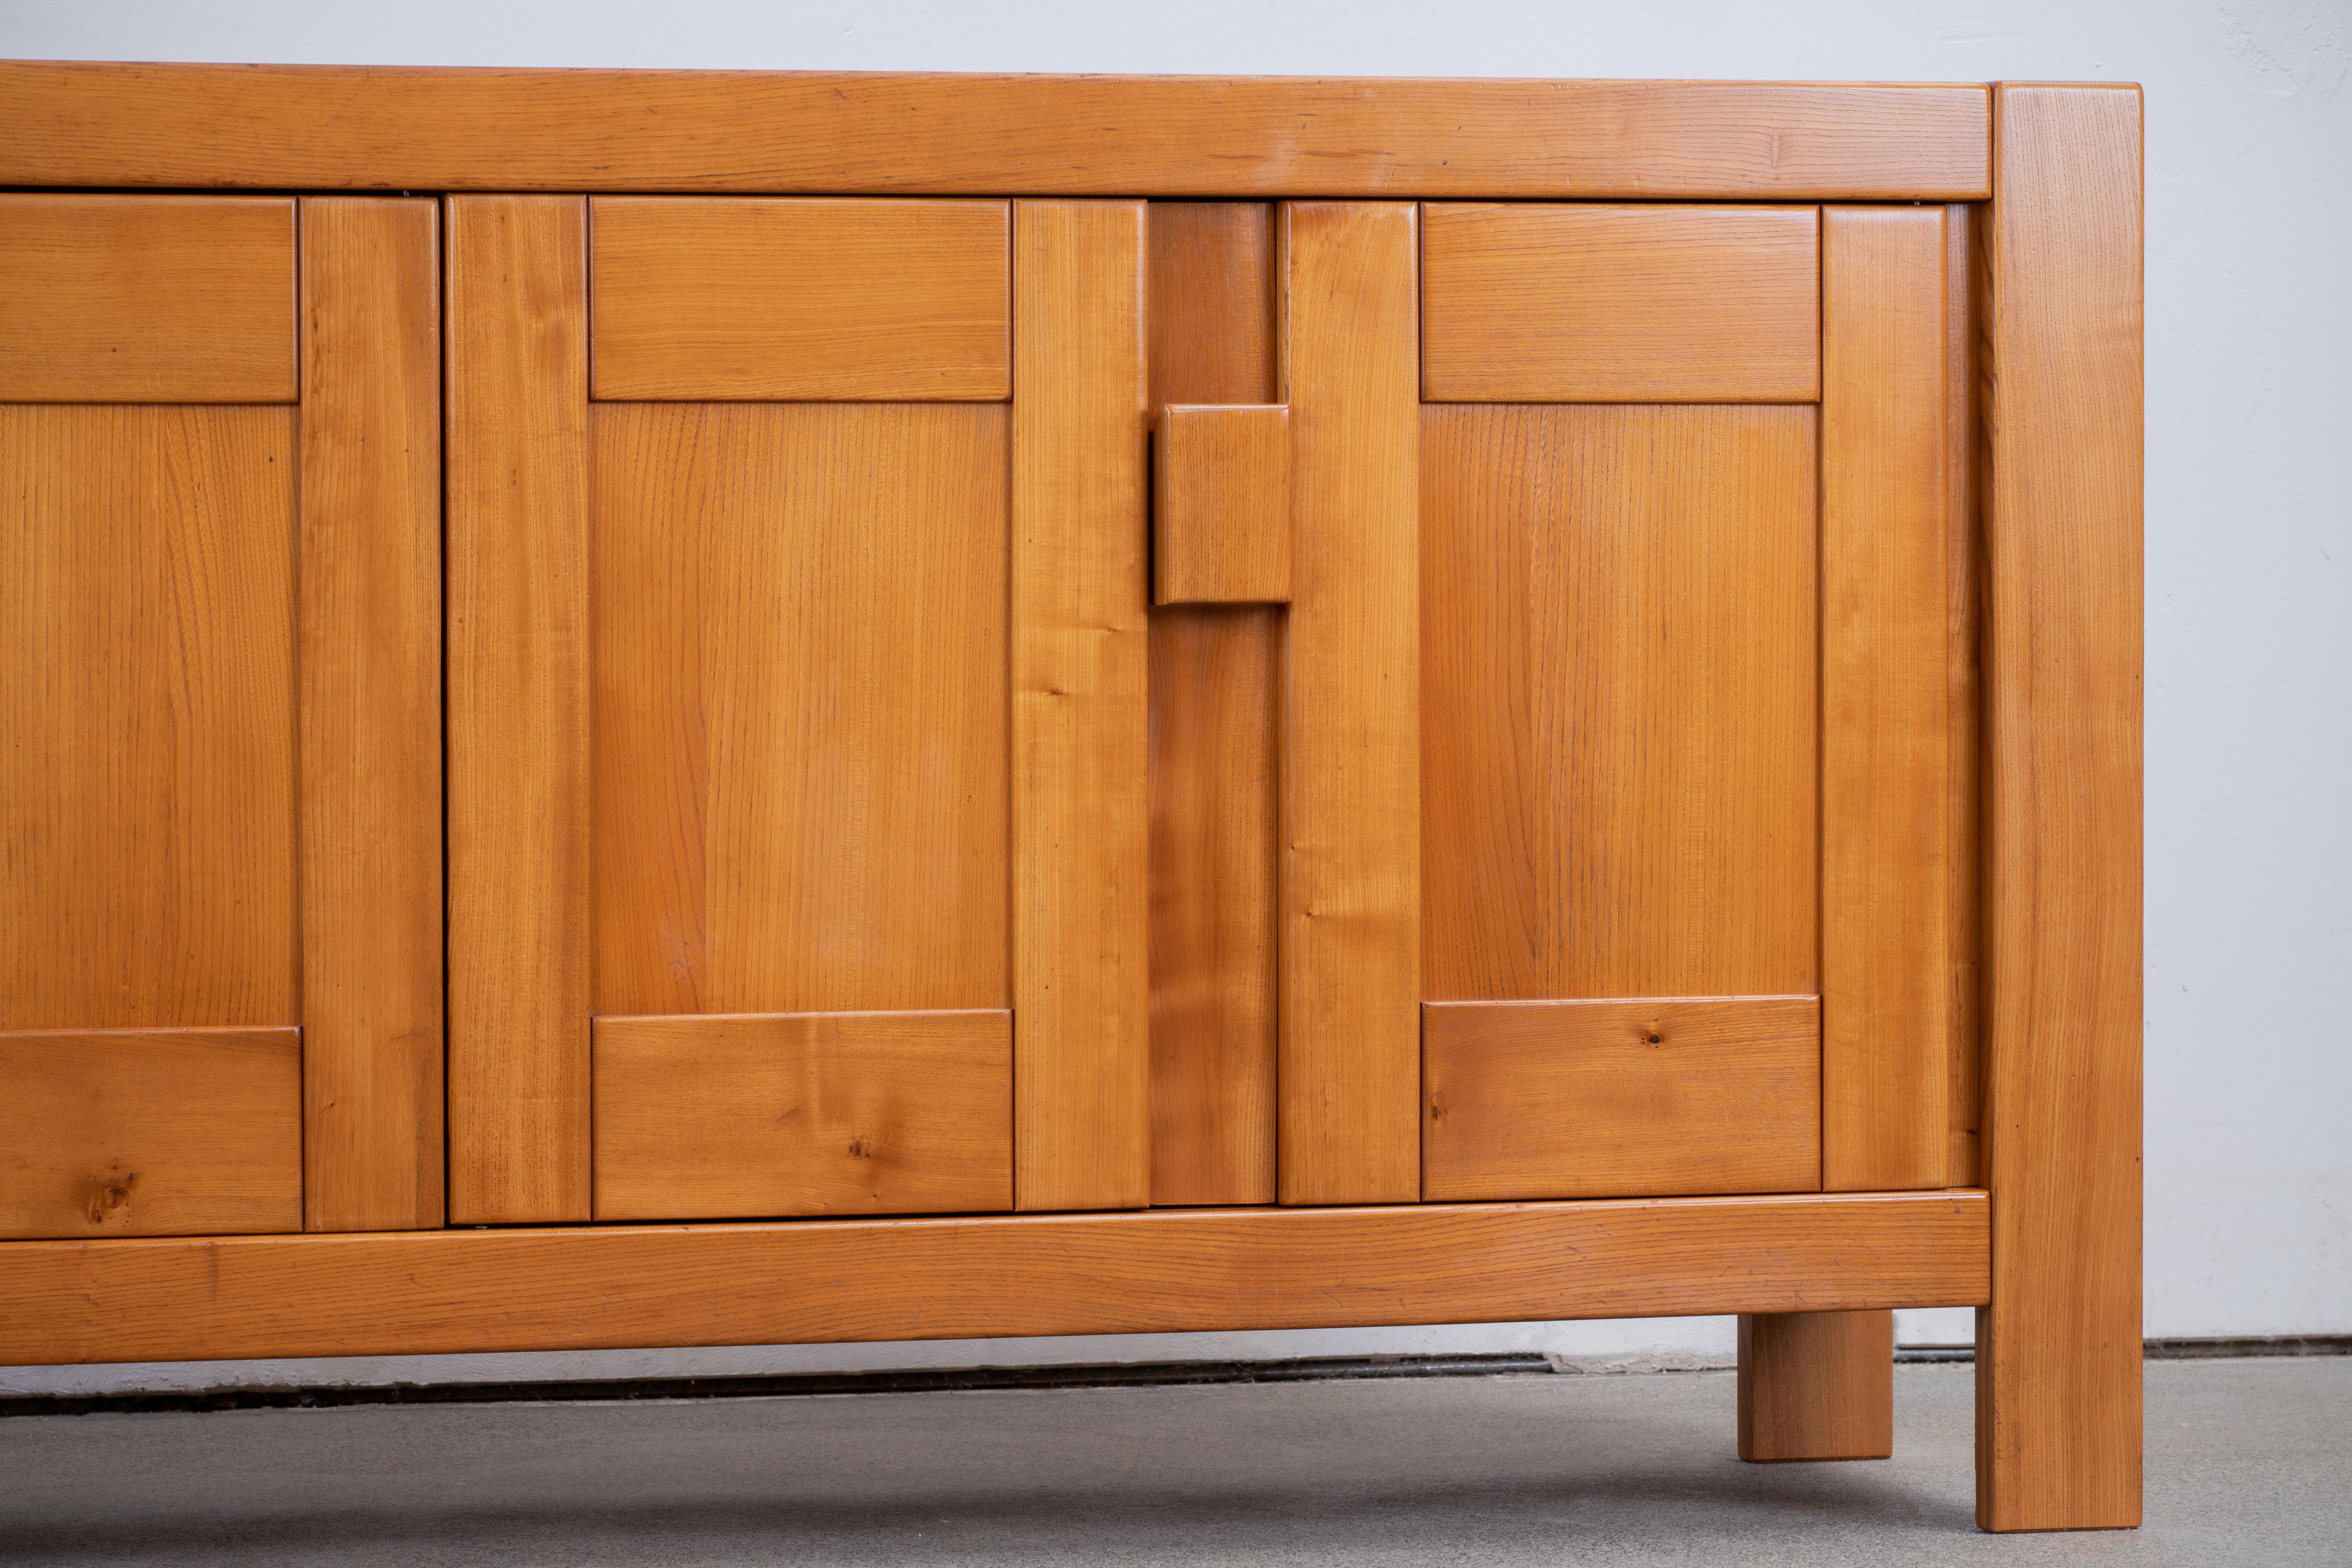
x,y
517,724
146,298
742,1115
1596,303
1081,949
1221,505
1350,938
1664,1097
371,694
1619,663
800,707
1214,719
814,300
1170,1271
147,733
1887,913
150,1133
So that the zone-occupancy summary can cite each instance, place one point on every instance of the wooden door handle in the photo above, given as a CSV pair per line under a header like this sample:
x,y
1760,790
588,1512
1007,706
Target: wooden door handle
x,y
1221,504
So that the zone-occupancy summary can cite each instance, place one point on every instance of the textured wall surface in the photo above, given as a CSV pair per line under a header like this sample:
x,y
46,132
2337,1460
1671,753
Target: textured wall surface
x,y
2249,512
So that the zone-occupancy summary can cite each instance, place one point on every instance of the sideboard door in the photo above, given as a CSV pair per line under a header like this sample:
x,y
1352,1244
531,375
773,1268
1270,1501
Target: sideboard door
x,y
220,841
1561,681
1688,662
797,707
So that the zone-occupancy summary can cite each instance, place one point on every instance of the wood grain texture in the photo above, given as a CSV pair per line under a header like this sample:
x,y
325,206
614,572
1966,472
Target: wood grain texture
x,y
1964,794
1591,302
916,133
799,646
2058,1349
1816,1385
370,713
1215,716
813,1282
1350,938
1214,723
150,1133
1657,1097
1080,599
813,300
518,710
1619,663
1887,913
146,298
1221,504
738,1115
147,718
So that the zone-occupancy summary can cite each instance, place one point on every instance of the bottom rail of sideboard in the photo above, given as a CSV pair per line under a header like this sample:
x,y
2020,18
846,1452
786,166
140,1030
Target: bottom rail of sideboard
x,y
810,1281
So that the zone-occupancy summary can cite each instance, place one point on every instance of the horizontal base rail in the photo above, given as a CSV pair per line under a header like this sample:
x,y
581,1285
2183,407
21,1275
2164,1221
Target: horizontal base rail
x,y
819,1281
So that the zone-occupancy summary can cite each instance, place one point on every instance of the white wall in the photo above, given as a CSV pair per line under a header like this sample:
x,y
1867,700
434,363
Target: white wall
x,y
2249,528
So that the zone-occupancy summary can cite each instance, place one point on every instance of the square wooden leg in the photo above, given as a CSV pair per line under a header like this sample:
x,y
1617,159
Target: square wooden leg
x,y
1816,1385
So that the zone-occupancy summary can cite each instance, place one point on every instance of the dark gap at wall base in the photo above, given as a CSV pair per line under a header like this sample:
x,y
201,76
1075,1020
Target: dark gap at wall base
x,y
950,1380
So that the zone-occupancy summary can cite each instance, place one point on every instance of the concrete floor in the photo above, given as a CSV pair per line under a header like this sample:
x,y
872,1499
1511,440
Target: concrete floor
x,y
2248,1462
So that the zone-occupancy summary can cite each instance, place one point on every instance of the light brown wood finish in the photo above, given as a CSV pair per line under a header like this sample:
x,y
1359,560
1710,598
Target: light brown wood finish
x,y
914,132
1619,669
1350,938
1167,1271
714,299
799,634
1887,944
1656,1097
1589,302
1221,505
2058,1349
1080,711
733,1116
150,1133
1964,757
371,714
1215,720
147,718
1816,1385
518,710
1215,716
145,299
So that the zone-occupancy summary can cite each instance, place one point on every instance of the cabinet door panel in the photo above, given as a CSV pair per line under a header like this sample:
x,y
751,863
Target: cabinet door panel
x,y
800,707
787,708
737,1116
1653,1098
702,297
1620,669
147,731
150,1133
1578,302
147,298
220,787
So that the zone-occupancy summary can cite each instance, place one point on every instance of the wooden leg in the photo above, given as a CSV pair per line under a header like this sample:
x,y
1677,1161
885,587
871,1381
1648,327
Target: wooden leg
x,y
1816,1385
2058,1348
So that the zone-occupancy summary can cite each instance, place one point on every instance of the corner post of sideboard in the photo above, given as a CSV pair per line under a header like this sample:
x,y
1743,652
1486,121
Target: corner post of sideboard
x,y
2058,1349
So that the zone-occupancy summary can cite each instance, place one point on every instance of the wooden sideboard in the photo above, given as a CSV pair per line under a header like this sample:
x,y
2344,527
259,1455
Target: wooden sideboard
x,y
672,709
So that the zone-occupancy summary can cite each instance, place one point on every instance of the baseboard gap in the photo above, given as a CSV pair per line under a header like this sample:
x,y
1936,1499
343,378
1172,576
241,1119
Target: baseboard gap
x,y
945,1380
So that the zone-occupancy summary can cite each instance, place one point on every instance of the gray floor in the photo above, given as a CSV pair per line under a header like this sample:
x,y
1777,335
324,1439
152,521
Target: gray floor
x,y
2248,1462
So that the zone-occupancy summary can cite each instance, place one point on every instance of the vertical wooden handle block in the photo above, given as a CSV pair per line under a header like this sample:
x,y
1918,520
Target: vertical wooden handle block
x,y
1221,505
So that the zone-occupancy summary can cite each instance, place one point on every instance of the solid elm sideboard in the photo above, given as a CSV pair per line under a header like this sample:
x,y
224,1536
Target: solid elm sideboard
x,y
668,709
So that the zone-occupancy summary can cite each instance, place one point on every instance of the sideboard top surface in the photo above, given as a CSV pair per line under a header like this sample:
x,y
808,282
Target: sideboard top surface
x,y
78,123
